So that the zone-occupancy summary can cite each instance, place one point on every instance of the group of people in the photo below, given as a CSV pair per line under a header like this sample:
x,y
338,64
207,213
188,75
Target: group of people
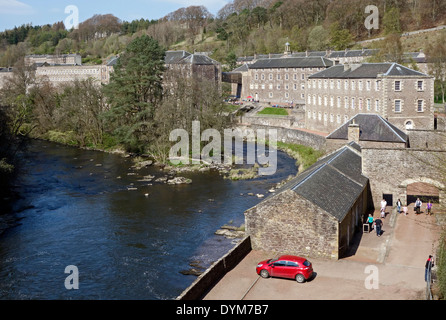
x,y
417,207
378,223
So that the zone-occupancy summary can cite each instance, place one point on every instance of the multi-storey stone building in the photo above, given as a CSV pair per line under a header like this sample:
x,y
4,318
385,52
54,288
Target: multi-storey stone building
x,y
401,95
63,59
5,73
280,80
65,74
191,65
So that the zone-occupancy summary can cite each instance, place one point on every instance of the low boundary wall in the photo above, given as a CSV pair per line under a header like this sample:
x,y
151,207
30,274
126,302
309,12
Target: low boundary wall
x,y
216,271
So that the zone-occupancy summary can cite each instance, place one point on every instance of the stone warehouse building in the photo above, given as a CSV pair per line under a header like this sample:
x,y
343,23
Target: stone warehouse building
x,y
281,80
316,213
191,65
62,74
62,59
5,73
401,95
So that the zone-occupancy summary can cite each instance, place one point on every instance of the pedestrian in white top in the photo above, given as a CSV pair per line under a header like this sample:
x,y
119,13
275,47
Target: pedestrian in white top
x,y
383,208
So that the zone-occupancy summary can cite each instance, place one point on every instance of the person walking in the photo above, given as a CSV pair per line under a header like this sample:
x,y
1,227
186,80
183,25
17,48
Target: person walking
x,y
418,205
383,208
428,268
370,222
378,226
405,210
429,207
398,205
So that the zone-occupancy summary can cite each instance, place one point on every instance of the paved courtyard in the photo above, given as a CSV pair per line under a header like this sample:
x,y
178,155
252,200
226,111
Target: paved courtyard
x,y
395,261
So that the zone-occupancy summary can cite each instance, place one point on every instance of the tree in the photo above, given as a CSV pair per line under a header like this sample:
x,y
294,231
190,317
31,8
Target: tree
x,y
340,39
436,55
318,38
134,93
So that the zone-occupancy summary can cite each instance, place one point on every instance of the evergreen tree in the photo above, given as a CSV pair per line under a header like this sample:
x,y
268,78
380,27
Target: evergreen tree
x,y
134,93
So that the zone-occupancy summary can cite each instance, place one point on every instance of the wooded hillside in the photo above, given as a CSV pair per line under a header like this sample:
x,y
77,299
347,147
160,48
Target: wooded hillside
x,y
242,27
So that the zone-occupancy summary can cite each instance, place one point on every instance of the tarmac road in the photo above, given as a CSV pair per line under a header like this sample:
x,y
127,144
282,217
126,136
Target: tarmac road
x,y
390,267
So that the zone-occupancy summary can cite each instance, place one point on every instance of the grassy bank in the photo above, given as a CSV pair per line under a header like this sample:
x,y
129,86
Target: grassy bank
x,y
304,155
274,111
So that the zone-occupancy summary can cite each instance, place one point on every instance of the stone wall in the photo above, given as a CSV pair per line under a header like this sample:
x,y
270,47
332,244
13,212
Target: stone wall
x,y
215,272
391,170
288,135
288,223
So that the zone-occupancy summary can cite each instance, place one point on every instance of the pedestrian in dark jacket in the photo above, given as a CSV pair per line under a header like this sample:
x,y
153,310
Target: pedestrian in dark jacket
x,y
378,226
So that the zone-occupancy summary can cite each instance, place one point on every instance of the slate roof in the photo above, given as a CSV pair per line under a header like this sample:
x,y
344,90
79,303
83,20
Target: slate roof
x,y
175,56
372,127
292,62
184,57
333,183
366,70
198,59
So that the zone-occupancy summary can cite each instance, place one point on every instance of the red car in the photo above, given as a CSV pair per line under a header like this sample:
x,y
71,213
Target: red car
x,y
287,266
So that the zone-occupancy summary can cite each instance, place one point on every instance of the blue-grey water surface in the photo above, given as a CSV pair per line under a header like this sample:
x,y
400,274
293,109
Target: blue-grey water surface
x,y
76,209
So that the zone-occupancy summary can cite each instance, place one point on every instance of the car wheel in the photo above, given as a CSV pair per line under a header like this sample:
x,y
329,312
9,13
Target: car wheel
x,y
264,274
300,278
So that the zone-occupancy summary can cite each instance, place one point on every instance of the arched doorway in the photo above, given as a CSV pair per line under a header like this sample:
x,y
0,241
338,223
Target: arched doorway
x,y
422,190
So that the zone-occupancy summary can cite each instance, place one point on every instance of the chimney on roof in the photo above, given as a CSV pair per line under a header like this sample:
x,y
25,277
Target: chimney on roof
x,y
353,132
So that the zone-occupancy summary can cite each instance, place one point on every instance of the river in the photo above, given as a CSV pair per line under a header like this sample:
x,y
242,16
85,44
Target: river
x,y
76,209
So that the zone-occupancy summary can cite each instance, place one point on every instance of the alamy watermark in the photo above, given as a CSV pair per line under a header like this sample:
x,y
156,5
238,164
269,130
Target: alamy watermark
x,y
371,282
72,21
372,21
211,153
72,281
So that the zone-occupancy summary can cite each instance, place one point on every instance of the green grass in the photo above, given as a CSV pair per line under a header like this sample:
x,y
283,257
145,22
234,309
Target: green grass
x,y
306,156
274,111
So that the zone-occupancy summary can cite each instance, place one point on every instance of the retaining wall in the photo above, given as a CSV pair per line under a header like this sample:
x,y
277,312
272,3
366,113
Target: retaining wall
x,y
214,273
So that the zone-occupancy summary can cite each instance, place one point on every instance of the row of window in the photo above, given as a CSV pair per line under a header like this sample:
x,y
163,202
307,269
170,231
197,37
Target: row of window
x,y
359,84
68,71
352,103
318,115
279,76
287,86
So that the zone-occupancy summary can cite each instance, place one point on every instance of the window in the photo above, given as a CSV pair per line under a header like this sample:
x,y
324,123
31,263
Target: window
x,y
377,105
353,85
278,86
360,85
286,76
420,85
270,94
338,118
397,105
278,76
368,105
353,103
303,76
270,76
263,76
325,101
319,116
397,85
360,104
346,84
346,102
368,85
339,102
338,84
309,99
331,101
331,84
256,76
377,85
420,106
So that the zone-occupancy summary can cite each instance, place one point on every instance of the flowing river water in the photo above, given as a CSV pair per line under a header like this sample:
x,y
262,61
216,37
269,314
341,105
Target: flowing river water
x,y
75,209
